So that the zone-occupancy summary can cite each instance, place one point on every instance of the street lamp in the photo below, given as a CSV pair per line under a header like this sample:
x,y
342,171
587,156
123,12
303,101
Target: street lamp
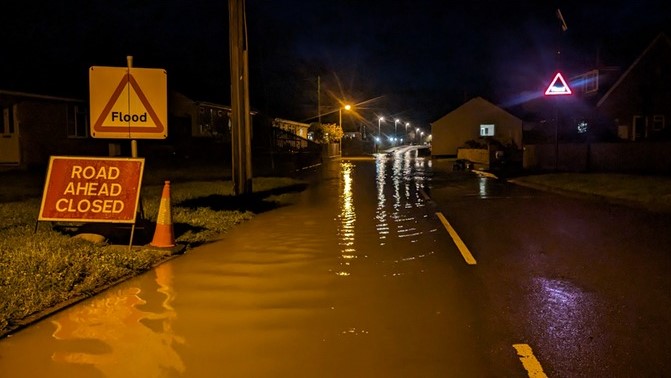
x,y
379,120
347,107
396,121
417,134
406,128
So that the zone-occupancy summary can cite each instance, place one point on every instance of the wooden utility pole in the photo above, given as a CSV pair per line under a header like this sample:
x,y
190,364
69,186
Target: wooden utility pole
x,y
241,171
319,99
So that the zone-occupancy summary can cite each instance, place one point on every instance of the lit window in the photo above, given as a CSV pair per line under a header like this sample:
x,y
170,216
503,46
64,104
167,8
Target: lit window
x,y
487,130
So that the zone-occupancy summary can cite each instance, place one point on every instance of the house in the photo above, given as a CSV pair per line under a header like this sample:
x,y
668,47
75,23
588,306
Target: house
x,y
34,127
198,128
638,104
616,120
297,128
609,103
476,119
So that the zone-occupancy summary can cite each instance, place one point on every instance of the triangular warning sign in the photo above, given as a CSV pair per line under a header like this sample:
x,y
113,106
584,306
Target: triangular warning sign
x,y
558,86
128,80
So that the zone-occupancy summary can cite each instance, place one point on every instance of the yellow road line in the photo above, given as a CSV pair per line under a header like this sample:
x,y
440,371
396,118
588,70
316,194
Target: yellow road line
x,y
457,240
529,361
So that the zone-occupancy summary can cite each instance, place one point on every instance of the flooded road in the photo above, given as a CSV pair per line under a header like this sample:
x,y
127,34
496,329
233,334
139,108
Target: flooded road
x,y
355,280
366,276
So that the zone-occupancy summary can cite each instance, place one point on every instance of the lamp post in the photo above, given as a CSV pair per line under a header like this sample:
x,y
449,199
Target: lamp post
x,y
347,107
406,129
379,128
379,133
417,134
396,121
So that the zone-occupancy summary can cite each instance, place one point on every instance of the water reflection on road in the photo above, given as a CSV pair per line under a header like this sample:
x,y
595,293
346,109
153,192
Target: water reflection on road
x,y
349,282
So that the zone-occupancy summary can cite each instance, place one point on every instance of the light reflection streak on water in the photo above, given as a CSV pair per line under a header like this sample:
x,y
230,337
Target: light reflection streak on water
x,y
407,175
482,186
116,321
381,214
347,217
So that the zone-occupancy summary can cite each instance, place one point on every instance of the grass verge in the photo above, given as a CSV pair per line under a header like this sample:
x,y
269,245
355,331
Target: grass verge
x,y
649,192
40,271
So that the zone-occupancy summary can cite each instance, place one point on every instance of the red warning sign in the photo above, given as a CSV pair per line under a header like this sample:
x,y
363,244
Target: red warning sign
x,y
558,86
92,189
129,103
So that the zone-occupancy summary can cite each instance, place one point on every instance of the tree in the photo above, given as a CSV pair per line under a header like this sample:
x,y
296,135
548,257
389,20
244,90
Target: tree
x,y
325,133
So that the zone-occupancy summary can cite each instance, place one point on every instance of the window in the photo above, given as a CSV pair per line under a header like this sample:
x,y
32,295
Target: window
x,y
587,82
658,123
7,121
487,130
640,127
77,120
592,81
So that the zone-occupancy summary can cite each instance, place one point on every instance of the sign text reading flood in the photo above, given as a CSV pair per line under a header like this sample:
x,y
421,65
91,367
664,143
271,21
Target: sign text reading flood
x,y
120,116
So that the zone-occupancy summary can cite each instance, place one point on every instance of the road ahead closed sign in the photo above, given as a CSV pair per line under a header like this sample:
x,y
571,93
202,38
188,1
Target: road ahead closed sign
x,y
92,189
128,103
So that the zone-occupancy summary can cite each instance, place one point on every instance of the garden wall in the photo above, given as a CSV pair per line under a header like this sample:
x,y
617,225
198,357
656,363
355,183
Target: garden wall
x,y
634,157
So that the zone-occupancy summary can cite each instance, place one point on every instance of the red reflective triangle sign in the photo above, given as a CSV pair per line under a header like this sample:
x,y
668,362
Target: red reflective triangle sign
x,y
126,80
558,86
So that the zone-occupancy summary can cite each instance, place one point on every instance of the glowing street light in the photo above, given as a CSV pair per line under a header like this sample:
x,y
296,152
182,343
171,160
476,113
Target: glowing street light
x,y
379,120
396,121
346,107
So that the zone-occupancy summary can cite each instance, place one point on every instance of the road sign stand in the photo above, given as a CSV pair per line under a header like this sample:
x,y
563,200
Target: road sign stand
x,y
129,103
93,190
133,149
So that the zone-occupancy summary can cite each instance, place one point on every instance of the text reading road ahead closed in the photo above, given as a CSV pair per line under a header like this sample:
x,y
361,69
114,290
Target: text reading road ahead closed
x,y
101,187
92,189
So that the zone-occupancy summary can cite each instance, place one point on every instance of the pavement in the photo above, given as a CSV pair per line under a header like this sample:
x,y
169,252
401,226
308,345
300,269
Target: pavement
x,y
636,199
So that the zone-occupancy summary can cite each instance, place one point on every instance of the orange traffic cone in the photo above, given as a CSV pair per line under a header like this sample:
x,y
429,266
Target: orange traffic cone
x,y
164,235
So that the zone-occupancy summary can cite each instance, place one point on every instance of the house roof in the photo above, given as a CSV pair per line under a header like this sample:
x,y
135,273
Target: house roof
x,y
37,96
289,122
477,102
661,38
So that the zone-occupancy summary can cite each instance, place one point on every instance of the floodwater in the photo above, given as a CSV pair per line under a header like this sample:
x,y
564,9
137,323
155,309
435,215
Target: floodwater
x,y
353,281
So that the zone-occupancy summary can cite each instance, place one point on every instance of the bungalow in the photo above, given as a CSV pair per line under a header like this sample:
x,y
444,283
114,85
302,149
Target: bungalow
x,y
609,103
34,127
609,106
476,119
639,103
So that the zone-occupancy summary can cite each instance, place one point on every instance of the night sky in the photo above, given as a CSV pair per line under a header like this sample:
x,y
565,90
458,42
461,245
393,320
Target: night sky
x,y
416,60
